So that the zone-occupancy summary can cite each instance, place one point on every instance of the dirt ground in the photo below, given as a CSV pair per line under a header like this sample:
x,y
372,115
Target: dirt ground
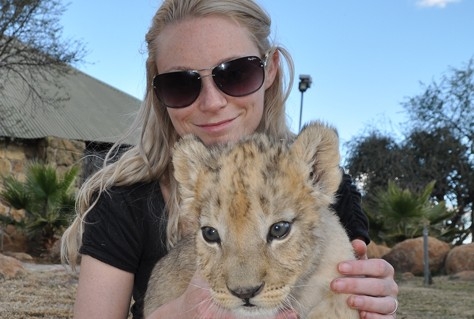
x,y
48,292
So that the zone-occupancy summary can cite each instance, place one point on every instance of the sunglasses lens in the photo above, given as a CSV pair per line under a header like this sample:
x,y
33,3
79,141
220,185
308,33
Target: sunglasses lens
x,y
177,89
240,77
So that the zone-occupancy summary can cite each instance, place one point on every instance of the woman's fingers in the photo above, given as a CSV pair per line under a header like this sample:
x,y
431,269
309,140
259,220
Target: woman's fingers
x,y
360,248
371,286
378,268
374,307
372,277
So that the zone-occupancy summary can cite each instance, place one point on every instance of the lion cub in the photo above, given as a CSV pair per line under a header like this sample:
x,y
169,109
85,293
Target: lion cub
x,y
263,235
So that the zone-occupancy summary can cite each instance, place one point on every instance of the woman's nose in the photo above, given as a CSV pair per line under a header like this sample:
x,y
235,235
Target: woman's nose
x,y
211,98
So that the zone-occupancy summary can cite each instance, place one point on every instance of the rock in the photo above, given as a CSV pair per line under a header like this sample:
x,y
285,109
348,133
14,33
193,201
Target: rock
x,y
376,251
407,276
18,255
53,255
14,240
10,267
460,258
407,256
466,275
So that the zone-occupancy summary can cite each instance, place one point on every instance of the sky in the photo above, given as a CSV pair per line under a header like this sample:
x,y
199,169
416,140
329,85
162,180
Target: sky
x,y
365,57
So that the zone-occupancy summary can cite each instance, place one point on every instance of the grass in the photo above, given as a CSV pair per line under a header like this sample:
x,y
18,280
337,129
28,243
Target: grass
x,y
444,299
50,294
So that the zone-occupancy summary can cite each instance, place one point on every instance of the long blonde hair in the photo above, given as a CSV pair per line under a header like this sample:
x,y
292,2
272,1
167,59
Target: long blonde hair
x,y
150,159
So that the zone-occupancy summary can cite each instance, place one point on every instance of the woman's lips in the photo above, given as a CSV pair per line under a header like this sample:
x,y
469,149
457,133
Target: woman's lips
x,y
217,125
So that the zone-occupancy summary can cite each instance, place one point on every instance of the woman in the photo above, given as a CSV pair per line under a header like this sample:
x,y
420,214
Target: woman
x,y
212,72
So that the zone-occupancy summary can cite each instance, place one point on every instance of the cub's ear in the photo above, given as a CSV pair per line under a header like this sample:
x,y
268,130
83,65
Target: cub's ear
x,y
190,156
318,145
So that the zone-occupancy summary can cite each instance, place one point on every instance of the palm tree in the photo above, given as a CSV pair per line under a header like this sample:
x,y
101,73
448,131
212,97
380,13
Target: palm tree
x,y
402,214
47,198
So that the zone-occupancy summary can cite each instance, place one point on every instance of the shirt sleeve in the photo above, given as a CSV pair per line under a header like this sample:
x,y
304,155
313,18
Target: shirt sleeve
x,y
348,208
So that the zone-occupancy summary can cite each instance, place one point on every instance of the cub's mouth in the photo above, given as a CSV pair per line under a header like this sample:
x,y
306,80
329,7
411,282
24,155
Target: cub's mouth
x,y
248,309
248,303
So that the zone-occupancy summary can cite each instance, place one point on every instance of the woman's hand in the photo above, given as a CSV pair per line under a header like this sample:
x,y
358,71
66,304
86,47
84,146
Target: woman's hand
x,y
196,302
371,285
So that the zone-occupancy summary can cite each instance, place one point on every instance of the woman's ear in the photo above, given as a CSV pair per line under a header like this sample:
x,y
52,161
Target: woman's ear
x,y
273,64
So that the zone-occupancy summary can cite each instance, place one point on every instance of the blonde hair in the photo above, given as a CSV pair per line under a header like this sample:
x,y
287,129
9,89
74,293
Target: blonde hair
x,y
150,159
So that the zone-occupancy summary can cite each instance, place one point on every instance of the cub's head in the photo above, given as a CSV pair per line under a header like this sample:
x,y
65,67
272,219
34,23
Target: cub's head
x,y
255,207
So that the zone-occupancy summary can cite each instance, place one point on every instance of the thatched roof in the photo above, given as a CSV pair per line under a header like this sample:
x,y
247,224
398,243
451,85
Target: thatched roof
x,y
91,111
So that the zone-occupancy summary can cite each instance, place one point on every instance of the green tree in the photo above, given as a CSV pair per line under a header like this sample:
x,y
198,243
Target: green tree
x,y
445,109
373,160
47,198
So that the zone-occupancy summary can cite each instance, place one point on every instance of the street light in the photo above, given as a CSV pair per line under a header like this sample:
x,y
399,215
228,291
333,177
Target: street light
x,y
305,83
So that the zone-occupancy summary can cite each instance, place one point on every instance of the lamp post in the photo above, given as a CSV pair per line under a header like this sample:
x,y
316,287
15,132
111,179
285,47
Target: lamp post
x,y
305,83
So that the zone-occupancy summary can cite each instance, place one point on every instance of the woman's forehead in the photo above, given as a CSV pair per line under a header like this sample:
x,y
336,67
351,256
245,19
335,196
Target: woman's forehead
x,y
202,42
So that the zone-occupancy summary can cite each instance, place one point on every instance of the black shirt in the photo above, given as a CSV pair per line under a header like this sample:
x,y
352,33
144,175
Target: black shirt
x,y
127,229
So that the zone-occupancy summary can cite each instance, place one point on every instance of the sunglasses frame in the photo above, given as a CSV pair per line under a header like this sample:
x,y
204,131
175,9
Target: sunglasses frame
x,y
214,70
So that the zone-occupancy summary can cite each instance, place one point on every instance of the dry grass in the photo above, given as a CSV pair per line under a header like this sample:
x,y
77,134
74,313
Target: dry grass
x,y
444,299
38,294
50,294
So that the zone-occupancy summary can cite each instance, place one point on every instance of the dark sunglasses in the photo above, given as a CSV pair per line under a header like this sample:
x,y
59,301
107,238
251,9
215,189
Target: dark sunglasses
x,y
239,77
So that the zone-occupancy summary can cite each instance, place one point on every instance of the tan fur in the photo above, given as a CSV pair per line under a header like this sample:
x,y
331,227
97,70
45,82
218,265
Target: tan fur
x,y
241,190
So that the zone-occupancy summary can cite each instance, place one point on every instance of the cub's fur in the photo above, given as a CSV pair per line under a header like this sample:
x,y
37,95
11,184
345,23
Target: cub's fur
x,y
262,232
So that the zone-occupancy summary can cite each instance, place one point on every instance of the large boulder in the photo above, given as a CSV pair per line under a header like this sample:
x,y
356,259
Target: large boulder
x,y
10,267
460,258
376,251
19,255
407,256
465,275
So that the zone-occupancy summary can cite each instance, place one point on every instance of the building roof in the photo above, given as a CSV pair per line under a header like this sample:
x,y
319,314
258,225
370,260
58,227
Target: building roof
x,y
94,111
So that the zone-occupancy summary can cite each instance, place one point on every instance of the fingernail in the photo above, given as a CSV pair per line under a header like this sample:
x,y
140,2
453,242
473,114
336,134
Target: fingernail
x,y
338,285
357,302
345,268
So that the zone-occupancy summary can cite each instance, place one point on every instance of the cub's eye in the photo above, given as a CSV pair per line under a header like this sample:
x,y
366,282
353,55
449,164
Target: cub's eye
x,y
279,230
210,234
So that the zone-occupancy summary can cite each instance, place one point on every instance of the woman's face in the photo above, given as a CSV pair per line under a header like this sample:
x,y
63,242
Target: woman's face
x,y
202,43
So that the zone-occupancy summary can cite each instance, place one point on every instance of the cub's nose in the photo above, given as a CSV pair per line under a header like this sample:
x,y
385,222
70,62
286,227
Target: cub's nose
x,y
246,293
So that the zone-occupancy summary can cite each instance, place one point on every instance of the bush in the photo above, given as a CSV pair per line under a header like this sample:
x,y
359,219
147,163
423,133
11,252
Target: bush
x,y
48,200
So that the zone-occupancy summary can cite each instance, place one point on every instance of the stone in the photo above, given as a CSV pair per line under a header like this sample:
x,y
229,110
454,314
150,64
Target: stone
x,y
407,276
377,251
466,275
15,152
460,258
407,256
53,255
18,168
5,167
19,255
14,240
11,267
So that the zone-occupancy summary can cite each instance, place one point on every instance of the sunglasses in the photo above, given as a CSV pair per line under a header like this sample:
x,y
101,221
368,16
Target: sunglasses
x,y
239,77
